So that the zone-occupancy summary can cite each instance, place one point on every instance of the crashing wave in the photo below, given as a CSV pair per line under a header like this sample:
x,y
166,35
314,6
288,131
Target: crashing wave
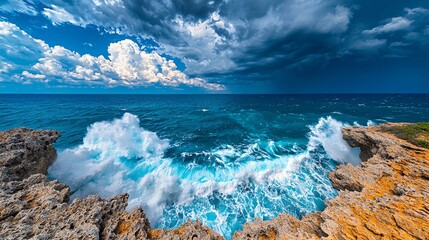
x,y
250,181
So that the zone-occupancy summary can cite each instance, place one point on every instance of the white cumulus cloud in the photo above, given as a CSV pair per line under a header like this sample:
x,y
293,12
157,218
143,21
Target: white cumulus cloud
x,y
18,50
27,60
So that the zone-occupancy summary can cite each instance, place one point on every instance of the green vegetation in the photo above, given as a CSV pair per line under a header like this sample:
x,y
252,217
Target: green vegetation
x,y
417,133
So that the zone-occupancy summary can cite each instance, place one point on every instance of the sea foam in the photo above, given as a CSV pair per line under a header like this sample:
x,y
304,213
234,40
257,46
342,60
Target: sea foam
x,y
328,133
249,181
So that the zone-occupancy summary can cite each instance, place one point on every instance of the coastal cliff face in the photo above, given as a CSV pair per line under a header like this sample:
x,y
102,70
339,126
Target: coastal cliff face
x,y
386,198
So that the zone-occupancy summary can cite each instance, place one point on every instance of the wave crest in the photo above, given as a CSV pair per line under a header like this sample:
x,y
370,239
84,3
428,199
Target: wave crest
x,y
328,134
105,149
257,180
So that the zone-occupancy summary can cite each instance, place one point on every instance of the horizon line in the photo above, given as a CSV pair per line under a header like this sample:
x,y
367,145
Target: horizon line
x,y
338,93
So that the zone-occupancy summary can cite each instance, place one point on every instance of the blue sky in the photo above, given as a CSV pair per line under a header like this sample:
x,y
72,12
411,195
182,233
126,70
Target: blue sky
x,y
218,46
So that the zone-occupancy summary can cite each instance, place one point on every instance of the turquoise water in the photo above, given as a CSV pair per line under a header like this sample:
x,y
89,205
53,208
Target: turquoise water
x,y
223,159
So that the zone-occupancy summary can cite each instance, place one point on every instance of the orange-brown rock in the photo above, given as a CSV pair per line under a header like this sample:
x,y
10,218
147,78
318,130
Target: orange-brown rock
x,y
385,198
189,231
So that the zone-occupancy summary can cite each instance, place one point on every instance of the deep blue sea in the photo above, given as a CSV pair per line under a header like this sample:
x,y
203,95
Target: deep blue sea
x,y
223,159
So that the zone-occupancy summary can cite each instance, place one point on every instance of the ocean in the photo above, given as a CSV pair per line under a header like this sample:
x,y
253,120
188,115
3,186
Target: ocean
x,y
222,159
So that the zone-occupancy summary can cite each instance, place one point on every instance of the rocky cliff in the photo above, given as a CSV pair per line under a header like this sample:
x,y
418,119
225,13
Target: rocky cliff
x,y
386,198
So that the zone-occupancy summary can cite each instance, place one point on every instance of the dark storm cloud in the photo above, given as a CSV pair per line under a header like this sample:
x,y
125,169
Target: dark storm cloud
x,y
248,10
138,17
197,9
215,36
299,48
265,39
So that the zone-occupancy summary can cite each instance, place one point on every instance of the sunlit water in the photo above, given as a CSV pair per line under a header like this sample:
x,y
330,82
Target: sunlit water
x,y
223,159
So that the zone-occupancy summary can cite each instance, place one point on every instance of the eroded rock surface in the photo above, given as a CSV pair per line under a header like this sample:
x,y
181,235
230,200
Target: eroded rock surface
x,y
386,198
24,152
189,231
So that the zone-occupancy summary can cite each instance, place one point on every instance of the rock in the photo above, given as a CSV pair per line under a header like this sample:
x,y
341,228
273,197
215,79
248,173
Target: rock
x,y
24,152
188,231
37,208
133,225
385,198
283,227
400,190
348,178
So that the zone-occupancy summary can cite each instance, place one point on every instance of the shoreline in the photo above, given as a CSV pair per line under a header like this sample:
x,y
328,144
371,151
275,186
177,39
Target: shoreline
x,y
386,197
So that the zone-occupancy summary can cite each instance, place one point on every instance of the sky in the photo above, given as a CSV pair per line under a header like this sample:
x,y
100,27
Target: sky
x,y
215,46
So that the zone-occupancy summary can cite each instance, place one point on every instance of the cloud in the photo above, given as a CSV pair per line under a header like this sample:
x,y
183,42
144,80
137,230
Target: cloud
x,y
236,39
18,50
58,16
217,37
418,10
242,36
35,76
30,60
400,34
20,6
395,24
369,44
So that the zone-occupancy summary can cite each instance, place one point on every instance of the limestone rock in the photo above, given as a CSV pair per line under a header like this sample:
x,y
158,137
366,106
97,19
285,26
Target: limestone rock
x,y
385,198
283,227
24,152
188,231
